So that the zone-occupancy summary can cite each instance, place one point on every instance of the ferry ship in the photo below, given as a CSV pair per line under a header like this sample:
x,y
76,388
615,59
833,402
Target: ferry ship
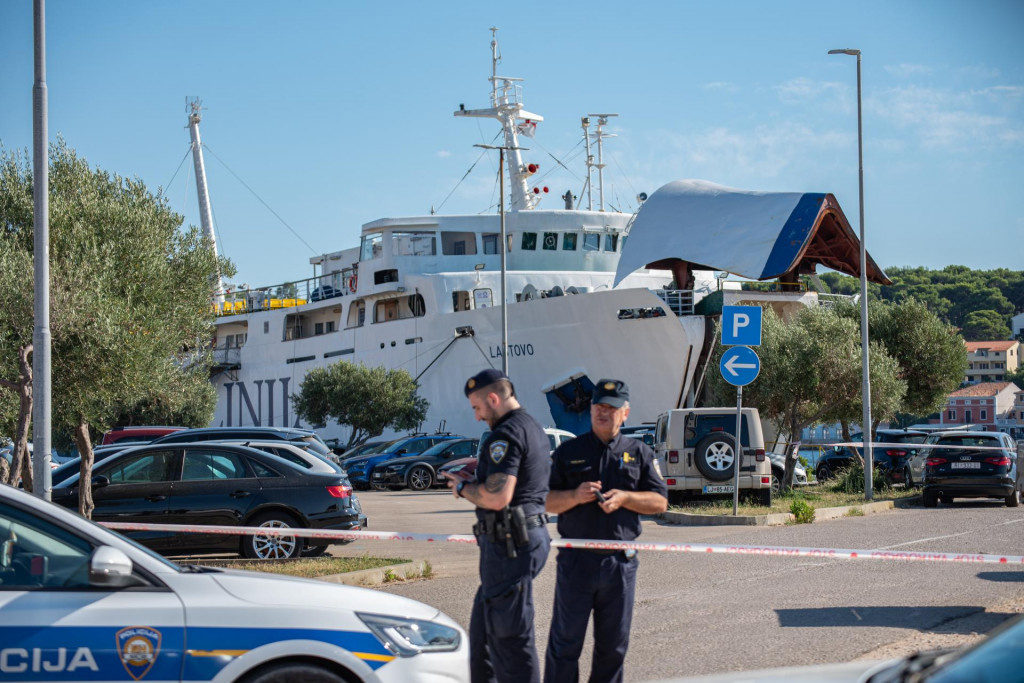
x,y
425,294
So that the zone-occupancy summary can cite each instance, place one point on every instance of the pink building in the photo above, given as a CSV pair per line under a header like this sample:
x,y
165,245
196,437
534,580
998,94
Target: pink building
x,y
990,404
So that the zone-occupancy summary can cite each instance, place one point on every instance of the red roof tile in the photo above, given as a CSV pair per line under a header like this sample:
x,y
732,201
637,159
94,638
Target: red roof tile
x,y
990,345
983,389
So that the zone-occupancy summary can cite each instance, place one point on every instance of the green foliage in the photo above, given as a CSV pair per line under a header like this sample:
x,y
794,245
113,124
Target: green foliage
x,y
369,400
985,325
1017,377
851,480
129,297
802,511
952,293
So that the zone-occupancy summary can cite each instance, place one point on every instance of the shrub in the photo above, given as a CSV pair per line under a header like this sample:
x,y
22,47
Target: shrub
x,y
802,511
851,480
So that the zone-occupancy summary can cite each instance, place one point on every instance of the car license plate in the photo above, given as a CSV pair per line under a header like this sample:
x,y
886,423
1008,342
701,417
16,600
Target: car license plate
x,y
965,465
378,475
718,489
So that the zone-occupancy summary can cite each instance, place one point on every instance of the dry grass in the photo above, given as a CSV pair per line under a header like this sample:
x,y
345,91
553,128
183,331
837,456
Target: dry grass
x,y
818,496
309,568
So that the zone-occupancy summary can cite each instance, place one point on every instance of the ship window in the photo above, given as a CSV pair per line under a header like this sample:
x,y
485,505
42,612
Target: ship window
x,y
529,241
318,328
372,246
490,243
610,242
460,301
591,242
550,241
482,298
266,327
417,305
357,314
385,311
413,243
569,241
458,243
330,326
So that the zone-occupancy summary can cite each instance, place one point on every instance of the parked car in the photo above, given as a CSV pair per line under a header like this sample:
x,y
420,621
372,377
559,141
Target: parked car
x,y
360,469
297,453
642,432
80,602
778,461
556,437
419,472
365,448
305,436
216,484
965,470
140,434
891,453
100,453
463,466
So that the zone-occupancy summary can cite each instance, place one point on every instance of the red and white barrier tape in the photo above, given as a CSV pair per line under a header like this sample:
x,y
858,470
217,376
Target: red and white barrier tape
x,y
914,446
586,544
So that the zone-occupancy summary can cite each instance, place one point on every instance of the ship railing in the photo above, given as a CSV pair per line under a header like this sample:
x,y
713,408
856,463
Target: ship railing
x,y
679,301
288,294
833,300
227,356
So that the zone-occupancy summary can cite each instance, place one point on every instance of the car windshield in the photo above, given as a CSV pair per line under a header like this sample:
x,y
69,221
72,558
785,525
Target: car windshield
x,y
315,444
438,448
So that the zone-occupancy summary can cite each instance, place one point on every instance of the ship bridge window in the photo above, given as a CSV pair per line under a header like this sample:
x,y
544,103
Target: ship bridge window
x,y
529,241
372,247
550,241
458,243
413,243
490,241
460,301
591,242
611,241
569,241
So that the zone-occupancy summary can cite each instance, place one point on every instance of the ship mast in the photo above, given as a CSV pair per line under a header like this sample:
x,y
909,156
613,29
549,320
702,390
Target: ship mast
x,y
205,214
507,108
599,136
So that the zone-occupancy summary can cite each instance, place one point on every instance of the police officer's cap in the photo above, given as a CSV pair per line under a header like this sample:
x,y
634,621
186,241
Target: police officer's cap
x,y
612,392
483,379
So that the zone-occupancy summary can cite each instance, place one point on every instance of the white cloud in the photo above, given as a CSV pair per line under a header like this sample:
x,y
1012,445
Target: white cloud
x,y
444,154
802,90
978,71
721,85
950,119
907,70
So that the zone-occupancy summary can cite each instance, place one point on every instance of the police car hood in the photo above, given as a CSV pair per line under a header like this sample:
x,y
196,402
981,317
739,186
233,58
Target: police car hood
x,y
259,588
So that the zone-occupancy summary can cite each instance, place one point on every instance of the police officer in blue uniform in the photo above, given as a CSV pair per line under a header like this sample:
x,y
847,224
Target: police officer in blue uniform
x,y
509,492
601,482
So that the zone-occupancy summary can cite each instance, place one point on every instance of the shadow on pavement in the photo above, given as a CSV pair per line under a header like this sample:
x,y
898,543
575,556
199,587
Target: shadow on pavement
x,y
1002,577
934,619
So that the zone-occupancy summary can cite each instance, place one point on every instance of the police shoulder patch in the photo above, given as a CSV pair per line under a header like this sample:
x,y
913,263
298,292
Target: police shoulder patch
x,y
498,451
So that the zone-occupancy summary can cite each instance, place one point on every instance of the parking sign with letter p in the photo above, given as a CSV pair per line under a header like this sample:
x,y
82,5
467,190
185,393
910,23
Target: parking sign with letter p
x,y
741,325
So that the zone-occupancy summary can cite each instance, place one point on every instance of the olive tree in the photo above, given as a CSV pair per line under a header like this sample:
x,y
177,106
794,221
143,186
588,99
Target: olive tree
x,y
130,300
811,372
368,400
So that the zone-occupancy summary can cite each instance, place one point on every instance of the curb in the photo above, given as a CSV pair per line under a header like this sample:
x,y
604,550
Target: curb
x,y
783,518
375,576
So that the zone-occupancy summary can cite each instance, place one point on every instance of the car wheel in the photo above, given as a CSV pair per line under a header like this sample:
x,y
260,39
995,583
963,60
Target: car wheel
x,y
314,551
715,456
258,547
824,473
286,673
929,499
420,478
381,487
1013,500
776,482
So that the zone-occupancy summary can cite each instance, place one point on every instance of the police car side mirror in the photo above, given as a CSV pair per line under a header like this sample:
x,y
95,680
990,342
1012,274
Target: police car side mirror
x,y
110,568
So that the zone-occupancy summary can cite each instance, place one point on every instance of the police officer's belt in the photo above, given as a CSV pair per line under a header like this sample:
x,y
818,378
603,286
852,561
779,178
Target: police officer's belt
x,y
491,522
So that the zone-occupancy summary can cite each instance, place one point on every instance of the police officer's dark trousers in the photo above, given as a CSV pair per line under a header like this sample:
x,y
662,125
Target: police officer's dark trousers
x,y
501,642
604,583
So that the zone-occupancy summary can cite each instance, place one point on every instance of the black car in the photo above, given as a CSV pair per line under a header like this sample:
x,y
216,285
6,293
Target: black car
x,y
100,453
217,484
419,472
976,465
307,437
891,453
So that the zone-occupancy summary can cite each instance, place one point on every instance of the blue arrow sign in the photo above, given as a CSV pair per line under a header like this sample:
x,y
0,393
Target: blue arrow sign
x,y
740,366
741,325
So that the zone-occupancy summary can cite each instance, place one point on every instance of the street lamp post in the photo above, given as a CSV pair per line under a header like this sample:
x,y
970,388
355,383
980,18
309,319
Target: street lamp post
x,y
866,382
504,251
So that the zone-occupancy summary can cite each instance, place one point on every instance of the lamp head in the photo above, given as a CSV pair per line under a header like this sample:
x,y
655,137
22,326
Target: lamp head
x,y
848,51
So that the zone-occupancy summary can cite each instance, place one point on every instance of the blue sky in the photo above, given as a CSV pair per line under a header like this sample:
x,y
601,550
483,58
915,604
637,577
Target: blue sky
x,y
339,113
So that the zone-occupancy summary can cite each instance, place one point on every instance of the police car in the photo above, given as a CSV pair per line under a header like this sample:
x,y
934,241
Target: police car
x,y
81,603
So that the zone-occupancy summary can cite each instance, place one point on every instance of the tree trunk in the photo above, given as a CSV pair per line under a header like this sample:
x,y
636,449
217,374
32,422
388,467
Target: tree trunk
x,y
846,431
23,387
85,504
792,448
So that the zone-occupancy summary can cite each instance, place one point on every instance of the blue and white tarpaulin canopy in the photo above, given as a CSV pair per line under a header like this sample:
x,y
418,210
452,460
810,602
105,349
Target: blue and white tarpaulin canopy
x,y
756,235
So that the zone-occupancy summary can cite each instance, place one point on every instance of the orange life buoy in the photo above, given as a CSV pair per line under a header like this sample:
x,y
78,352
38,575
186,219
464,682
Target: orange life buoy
x,y
352,282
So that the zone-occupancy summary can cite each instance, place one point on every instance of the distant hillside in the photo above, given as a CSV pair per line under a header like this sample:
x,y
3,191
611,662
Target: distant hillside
x,y
979,302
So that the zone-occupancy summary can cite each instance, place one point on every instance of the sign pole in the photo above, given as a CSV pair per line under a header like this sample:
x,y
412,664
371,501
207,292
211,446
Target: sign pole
x,y
737,452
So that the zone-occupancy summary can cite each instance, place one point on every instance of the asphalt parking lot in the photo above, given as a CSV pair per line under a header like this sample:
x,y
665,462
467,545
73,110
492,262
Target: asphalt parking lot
x,y
700,614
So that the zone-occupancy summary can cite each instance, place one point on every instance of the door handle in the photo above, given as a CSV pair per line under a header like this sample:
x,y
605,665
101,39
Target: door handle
x,y
241,494
156,498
